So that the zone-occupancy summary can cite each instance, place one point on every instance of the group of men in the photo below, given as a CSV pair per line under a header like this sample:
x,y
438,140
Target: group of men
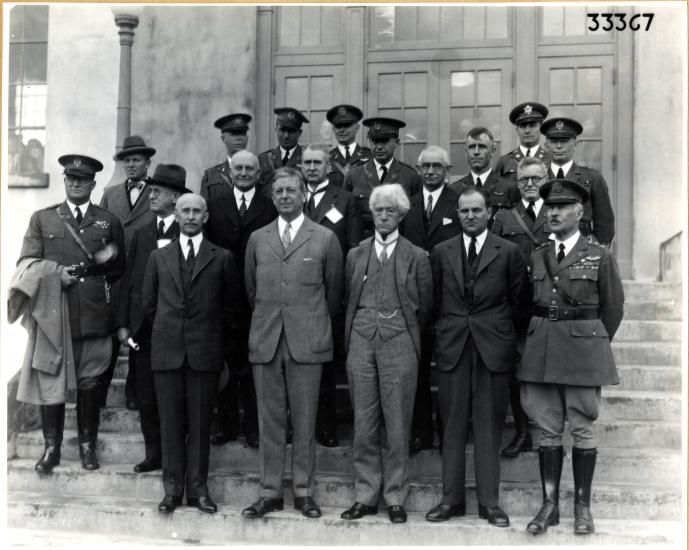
x,y
298,262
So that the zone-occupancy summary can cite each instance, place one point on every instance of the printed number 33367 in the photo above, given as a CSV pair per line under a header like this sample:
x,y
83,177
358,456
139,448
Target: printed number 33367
x,y
608,21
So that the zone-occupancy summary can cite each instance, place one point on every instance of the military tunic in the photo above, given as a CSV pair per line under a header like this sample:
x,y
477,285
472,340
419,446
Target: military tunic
x,y
270,161
47,237
339,167
216,181
507,164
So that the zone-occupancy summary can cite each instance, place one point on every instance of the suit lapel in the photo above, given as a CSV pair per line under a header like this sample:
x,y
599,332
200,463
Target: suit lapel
x,y
364,252
540,219
230,208
204,257
394,172
141,206
255,208
488,252
170,256
274,240
445,203
371,174
329,198
402,263
579,251
456,259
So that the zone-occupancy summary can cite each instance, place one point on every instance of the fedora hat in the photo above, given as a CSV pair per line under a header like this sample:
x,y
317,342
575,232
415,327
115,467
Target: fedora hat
x,y
133,145
171,176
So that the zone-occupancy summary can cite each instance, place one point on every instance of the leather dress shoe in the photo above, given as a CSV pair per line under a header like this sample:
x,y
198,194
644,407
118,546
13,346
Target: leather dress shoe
x,y
327,439
494,514
203,503
443,512
418,444
223,436
397,514
148,465
252,441
132,404
262,506
520,443
307,506
358,510
169,503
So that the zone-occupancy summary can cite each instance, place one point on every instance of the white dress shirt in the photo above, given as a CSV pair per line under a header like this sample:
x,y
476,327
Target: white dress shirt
x,y
480,239
536,205
83,207
184,243
525,150
352,148
569,243
483,177
167,222
248,196
295,224
435,194
283,151
565,167
380,166
317,197
391,238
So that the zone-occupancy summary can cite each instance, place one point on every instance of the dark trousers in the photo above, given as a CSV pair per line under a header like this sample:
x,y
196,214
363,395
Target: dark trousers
x,y
471,391
238,388
185,402
140,363
326,420
422,423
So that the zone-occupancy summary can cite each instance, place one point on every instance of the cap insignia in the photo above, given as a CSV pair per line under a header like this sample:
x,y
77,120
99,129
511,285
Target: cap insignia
x,y
378,126
557,188
342,111
76,163
290,115
559,125
528,109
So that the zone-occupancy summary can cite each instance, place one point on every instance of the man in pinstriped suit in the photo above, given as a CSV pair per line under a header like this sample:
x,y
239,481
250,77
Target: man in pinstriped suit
x,y
191,291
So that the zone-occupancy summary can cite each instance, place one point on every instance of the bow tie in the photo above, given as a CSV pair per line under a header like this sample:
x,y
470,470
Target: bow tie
x,y
132,184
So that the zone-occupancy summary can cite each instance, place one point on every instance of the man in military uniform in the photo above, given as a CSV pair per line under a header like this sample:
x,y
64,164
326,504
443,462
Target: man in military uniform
x,y
383,136
502,193
598,221
288,152
526,226
87,244
129,202
432,219
348,153
233,133
577,307
527,119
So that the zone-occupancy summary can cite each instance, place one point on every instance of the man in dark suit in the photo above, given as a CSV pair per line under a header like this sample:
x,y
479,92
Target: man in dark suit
x,y
389,301
191,292
348,153
232,218
598,221
481,298
527,119
525,225
288,152
234,130
129,202
432,219
501,193
578,303
334,208
165,187
86,244
383,136
293,275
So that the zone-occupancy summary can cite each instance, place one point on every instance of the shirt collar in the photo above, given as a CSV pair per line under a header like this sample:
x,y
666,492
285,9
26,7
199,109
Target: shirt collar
x,y
184,243
536,204
320,186
291,151
435,194
483,176
83,207
533,149
352,148
480,239
391,239
565,167
387,165
167,221
569,243
294,224
248,195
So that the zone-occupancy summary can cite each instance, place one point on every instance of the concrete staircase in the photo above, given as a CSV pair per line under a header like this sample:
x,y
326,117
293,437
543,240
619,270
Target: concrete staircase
x,y
637,497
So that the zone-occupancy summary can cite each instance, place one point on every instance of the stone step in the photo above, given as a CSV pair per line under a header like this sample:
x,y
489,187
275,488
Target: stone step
x,y
649,331
140,518
609,500
653,311
653,378
647,353
614,464
640,405
639,291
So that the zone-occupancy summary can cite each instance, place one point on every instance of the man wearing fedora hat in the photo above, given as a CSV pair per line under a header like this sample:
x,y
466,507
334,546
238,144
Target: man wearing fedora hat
x,y
165,187
348,153
234,130
129,202
578,302
288,152
79,247
383,137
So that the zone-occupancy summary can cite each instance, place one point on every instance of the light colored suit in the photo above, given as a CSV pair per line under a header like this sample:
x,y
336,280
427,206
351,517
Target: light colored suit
x,y
294,294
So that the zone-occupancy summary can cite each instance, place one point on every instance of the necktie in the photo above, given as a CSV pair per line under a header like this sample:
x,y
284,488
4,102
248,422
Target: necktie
x,y
287,237
471,255
560,173
384,172
528,152
161,229
530,211
191,257
561,253
311,203
79,216
242,206
285,159
429,207
479,185
347,155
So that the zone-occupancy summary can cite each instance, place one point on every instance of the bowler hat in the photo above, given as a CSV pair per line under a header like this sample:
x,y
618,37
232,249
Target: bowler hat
x,y
80,166
290,117
563,191
133,145
171,176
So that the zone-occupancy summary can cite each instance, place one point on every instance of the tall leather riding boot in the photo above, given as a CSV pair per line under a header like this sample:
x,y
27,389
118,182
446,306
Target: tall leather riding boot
x,y
550,463
53,423
88,416
522,436
583,465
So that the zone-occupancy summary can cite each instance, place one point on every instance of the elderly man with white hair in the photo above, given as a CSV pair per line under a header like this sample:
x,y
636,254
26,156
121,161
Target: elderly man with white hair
x,y
389,297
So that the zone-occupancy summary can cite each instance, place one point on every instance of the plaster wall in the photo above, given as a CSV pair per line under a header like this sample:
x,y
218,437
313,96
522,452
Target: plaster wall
x,y
660,194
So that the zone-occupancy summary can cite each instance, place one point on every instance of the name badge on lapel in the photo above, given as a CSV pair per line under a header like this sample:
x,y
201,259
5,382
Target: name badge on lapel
x,y
447,221
334,215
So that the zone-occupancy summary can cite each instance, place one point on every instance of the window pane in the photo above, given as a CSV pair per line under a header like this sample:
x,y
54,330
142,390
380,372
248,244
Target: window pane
x,y
331,26
411,152
297,93
321,92
417,125
389,90
33,105
458,158
389,113
590,117
310,26
35,63
29,23
16,55
405,23
462,89
575,20
428,23
589,85
491,118
415,90
289,26
552,21
489,87
562,85
383,27
461,121
474,24
497,23
319,129
561,110
589,153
